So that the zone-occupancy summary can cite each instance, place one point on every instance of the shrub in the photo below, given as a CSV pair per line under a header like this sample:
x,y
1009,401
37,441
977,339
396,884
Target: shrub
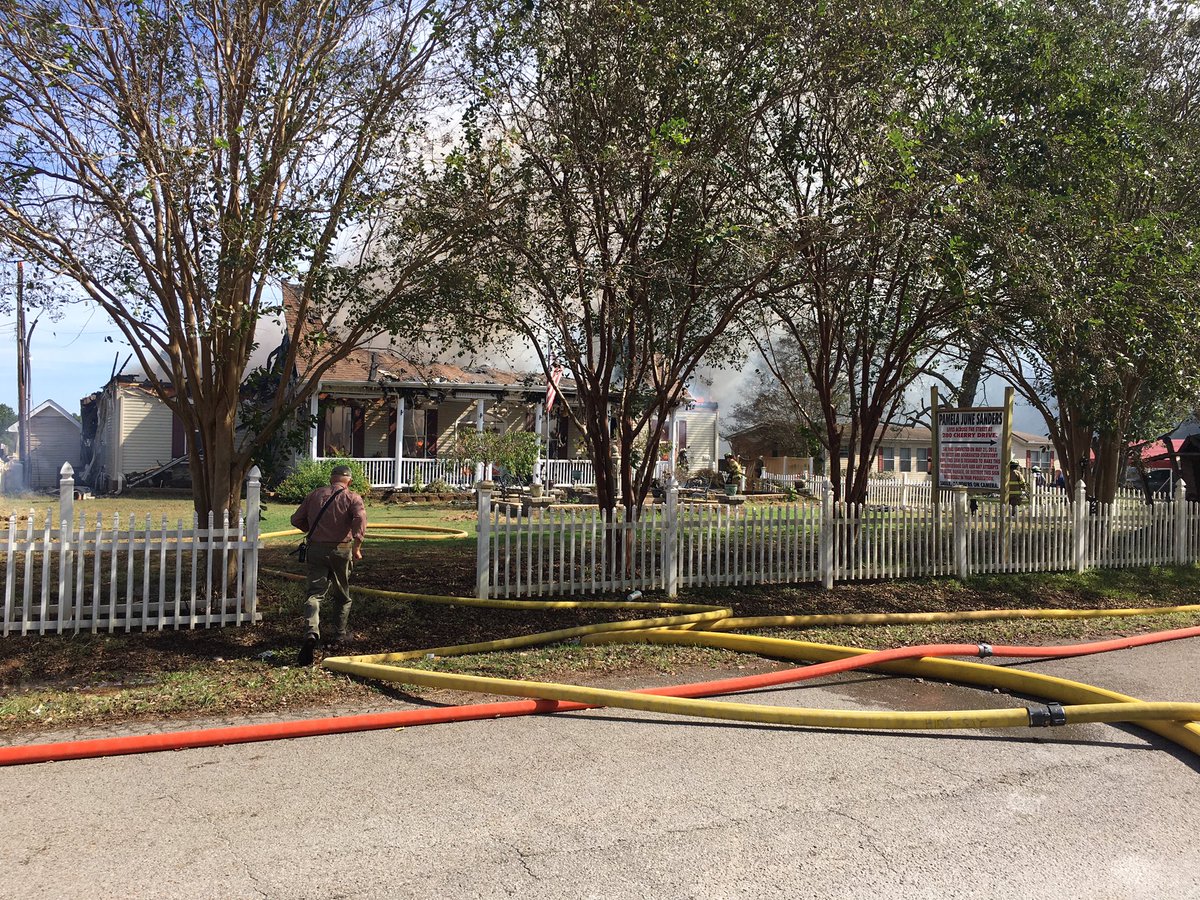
x,y
311,474
439,487
514,451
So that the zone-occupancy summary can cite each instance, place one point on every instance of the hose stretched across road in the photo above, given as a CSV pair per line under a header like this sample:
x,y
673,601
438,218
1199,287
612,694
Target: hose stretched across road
x,y
704,625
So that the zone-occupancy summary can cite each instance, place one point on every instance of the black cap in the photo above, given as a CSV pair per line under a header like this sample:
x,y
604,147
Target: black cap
x,y
341,472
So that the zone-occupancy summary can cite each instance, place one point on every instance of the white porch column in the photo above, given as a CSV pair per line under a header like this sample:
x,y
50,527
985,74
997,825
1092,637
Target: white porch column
x,y
539,414
313,409
397,478
480,409
672,434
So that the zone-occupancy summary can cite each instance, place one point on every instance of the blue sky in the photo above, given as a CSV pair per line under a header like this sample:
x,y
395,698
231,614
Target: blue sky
x,y
69,358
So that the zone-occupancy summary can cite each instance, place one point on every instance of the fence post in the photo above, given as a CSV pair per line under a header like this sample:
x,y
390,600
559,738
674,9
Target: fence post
x,y
66,495
483,541
671,538
253,527
1081,521
827,535
66,522
958,509
1181,535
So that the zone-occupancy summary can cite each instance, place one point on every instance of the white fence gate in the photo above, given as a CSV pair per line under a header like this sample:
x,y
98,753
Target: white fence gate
x,y
572,550
70,575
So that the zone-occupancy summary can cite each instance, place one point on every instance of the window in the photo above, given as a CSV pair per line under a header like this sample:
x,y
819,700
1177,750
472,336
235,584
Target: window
x,y
420,433
922,459
906,459
341,431
889,459
681,434
1043,459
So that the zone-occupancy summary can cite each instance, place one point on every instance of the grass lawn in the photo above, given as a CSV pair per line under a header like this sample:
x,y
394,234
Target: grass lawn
x,y
276,513
54,682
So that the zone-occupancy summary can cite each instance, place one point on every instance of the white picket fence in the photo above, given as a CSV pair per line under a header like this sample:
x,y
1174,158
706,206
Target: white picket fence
x,y
572,549
71,575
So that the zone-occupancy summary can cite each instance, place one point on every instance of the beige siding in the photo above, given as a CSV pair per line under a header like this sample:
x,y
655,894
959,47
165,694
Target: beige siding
x,y
145,435
52,441
451,415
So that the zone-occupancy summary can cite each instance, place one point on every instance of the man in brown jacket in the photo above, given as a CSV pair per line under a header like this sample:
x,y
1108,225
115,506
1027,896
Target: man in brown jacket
x,y
335,521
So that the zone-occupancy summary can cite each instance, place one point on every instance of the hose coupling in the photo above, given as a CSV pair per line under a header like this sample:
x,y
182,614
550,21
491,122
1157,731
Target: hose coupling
x,y
985,650
1051,714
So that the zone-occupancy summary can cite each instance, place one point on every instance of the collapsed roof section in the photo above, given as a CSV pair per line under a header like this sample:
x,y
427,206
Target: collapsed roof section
x,y
375,370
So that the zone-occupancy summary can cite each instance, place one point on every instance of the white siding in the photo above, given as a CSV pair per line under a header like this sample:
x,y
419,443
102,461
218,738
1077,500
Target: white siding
x,y
145,431
376,421
701,437
52,441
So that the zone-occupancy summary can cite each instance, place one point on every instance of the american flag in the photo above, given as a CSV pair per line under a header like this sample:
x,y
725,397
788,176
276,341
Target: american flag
x,y
552,386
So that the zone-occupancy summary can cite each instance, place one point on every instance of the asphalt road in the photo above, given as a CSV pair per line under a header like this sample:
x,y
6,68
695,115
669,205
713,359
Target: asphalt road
x,y
614,804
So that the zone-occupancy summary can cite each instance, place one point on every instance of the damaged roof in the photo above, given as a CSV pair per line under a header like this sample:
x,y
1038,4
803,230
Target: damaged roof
x,y
389,367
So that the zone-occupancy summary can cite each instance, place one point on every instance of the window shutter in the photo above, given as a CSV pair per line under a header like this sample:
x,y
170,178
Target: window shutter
x,y
358,439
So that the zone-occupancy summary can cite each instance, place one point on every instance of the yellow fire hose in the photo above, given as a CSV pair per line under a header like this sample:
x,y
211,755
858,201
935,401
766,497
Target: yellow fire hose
x,y
709,625
423,532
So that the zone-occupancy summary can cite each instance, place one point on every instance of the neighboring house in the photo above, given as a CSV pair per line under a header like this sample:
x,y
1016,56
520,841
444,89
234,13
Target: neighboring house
x,y
906,452
763,440
128,430
54,438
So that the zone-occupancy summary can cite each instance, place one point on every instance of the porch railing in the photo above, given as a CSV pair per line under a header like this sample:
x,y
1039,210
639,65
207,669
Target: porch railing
x,y
381,472
568,471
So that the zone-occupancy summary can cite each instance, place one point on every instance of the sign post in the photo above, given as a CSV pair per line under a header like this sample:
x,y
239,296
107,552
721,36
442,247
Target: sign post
x,y
934,405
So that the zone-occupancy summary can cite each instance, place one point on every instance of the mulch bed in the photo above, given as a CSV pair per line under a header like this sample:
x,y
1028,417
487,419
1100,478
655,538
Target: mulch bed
x,y
449,568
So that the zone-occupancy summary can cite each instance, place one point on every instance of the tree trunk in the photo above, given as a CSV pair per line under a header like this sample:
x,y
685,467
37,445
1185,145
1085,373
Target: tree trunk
x,y
972,373
1107,469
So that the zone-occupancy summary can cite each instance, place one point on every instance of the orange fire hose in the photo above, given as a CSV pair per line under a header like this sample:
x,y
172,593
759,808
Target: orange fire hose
x,y
210,737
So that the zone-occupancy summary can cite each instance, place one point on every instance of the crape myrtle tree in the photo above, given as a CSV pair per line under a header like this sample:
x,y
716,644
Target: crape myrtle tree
x,y
177,159
607,152
863,163
1096,219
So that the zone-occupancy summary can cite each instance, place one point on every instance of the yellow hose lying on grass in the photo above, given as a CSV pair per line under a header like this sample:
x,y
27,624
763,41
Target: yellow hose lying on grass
x,y
423,532
697,624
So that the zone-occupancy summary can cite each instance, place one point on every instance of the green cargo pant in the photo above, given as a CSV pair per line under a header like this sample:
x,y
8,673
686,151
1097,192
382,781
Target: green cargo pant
x,y
328,566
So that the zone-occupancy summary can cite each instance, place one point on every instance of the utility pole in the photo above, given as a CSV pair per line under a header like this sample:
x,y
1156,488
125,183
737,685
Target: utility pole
x,y
22,379
23,372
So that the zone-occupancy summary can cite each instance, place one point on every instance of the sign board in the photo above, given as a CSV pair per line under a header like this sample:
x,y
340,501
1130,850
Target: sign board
x,y
971,448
